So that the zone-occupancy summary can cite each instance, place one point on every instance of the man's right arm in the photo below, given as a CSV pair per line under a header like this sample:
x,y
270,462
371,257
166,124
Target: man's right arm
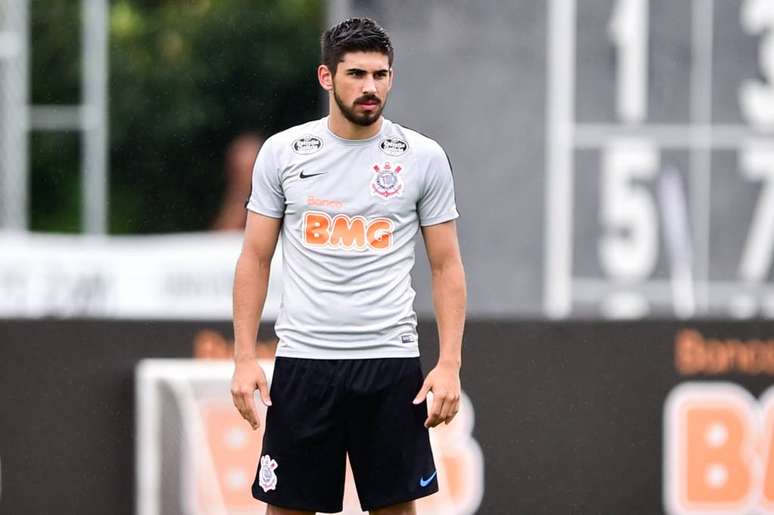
x,y
251,282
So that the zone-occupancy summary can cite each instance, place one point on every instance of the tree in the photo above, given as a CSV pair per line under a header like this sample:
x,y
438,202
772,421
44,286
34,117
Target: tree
x,y
185,78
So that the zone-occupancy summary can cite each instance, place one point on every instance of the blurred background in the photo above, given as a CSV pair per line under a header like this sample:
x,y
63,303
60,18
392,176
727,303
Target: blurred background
x,y
614,169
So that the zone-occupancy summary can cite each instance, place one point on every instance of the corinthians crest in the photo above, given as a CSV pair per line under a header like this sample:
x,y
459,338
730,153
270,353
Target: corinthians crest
x,y
386,182
267,479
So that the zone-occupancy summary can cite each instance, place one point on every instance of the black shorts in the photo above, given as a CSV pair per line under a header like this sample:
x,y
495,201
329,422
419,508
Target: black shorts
x,y
323,410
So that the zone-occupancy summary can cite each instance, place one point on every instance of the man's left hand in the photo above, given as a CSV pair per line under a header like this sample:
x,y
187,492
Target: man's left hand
x,y
444,382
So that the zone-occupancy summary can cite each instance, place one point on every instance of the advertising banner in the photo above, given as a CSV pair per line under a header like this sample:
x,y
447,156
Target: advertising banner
x,y
172,277
642,417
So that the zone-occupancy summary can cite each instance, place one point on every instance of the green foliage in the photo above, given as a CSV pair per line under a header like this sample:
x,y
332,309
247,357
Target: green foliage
x,y
55,51
54,181
186,77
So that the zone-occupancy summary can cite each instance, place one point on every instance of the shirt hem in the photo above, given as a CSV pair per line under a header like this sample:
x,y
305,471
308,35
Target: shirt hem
x,y
348,354
264,212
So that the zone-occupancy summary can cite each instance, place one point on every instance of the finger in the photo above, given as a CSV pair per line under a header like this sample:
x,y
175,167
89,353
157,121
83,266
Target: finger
x,y
239,402
251,413
422,395
446,409
453,412
263,387
434,417
236,398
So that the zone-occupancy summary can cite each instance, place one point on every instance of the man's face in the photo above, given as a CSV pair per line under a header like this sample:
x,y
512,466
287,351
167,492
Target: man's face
x,y
361,85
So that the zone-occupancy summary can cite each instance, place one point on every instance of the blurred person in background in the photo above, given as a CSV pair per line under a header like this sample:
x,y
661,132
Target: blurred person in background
x,y
349,193
211,344
240,157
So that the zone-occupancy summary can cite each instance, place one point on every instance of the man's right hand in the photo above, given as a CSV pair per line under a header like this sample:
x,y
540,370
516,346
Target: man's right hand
x,y
248,377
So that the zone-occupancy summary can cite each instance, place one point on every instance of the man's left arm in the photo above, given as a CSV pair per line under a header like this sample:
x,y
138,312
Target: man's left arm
x,y
449,297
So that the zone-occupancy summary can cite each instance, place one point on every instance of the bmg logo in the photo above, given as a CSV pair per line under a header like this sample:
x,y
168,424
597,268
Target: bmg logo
x,y
347,233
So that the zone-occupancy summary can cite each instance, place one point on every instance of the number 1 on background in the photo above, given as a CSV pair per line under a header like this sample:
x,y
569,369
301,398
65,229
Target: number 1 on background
x,y
629,28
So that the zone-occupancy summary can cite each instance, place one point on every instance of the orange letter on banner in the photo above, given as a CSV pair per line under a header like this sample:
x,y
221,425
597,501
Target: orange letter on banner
x,y
380,234
316,227
230,446
348,235
715,468
768,448
689,352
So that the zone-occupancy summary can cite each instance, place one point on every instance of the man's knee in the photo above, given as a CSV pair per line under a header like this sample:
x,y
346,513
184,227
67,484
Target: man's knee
x,y
406,508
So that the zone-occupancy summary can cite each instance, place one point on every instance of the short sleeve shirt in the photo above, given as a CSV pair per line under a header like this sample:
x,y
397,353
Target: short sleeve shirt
x,y
350,210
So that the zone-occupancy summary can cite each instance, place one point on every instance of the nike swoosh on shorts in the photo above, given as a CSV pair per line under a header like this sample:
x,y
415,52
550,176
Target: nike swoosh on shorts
x,y
424,482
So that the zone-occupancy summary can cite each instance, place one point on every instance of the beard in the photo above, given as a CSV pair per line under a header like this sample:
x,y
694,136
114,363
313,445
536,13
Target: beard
x,y
363,119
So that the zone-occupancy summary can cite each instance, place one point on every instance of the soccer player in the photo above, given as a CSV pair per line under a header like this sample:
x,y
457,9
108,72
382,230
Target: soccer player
x,y
349,192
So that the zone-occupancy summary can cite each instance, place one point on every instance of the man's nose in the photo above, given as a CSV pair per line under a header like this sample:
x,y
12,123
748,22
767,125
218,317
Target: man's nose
x,y
369,85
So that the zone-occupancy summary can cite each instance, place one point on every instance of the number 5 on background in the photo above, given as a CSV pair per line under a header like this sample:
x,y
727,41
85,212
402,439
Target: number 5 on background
x,y
629,248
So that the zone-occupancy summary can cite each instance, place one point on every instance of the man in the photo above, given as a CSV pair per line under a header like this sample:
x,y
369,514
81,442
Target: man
x,y
349,193
239,164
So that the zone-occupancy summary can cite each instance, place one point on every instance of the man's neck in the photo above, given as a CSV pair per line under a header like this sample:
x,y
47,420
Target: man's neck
x,y
343,128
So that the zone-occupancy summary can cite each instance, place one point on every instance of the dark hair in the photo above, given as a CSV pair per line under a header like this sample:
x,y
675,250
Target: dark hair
x,y
353,35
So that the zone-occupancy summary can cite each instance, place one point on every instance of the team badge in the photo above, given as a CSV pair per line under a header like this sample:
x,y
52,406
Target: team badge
x,y
267,479
386,182
393,146
307,145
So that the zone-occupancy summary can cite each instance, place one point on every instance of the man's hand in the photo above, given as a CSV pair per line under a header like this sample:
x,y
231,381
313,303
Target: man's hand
x,y
248,377
444,382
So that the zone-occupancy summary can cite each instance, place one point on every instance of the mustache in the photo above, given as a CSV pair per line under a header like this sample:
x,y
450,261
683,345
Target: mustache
x,y
368,98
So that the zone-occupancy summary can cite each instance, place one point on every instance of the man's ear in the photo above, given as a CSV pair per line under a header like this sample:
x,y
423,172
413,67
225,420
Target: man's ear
x,y
325,77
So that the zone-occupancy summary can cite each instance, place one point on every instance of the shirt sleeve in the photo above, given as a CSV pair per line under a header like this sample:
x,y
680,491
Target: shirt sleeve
x,y
266,195
437,203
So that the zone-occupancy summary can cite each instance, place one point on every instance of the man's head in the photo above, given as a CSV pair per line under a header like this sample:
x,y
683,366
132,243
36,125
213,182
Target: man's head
x,y
353,35
356,68
240,158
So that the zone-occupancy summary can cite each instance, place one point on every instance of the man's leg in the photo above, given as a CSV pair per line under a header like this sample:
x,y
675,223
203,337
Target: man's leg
x,y
303,457
406,508
276,510
388,444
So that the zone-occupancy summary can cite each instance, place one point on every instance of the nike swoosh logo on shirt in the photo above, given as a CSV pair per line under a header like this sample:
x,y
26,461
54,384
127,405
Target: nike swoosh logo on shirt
x,y
302,175
424,482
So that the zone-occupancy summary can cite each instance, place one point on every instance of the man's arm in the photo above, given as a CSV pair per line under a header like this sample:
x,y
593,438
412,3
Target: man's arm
x,y
449,296
251,282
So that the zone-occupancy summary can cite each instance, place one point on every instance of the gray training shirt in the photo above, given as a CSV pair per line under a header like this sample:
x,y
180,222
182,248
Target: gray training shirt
x,y
350,211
